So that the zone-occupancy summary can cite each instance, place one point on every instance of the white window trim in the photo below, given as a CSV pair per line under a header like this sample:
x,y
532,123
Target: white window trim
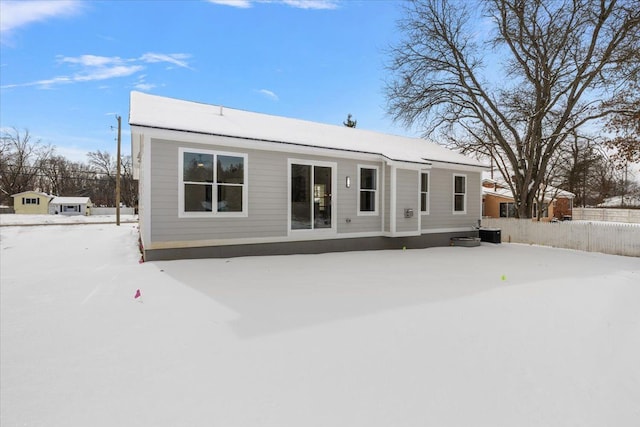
x,y
214,192
376,192
334,197
453,204
428,192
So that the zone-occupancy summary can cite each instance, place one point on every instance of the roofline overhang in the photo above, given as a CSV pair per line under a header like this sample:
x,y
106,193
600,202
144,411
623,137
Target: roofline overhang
x,y
273,141
413,165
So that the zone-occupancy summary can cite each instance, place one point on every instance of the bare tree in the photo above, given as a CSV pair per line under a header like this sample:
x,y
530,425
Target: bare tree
x,y
129,186
20,157
624,125
104,166
561,62
61,177
104,186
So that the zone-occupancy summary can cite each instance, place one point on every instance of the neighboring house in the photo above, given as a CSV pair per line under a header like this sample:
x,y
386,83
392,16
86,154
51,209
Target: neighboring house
x,y
498,202
31,202
218,182
70,206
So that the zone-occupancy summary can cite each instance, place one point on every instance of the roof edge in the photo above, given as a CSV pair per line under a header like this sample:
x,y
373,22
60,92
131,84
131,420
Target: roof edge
x,y
297,144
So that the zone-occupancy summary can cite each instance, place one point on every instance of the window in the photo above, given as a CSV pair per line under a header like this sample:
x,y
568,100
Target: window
x,y
459,193
545,210
30,201
507,210
212,183
367,189
424,192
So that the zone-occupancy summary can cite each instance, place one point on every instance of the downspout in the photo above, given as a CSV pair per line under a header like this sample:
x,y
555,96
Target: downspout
x,y
392,201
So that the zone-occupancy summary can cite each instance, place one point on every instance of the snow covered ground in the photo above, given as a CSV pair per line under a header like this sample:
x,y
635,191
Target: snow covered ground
x,y
498,335
22,219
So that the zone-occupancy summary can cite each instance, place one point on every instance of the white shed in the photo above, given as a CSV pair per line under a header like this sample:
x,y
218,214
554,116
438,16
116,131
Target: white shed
x,y
70,206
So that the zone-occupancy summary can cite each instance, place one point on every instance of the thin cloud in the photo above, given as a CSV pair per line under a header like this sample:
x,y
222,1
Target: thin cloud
x,y
312,4
108,73
146,87
242,4
86,68
298,4
269,94
178,59
142,84
91,60
16,14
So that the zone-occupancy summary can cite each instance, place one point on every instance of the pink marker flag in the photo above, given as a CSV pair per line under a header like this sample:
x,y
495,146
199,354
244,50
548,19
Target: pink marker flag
x,y
138,294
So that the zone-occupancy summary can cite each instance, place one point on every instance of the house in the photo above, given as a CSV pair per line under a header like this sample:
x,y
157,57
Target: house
x,y
498,202
31,202
221,182
70,206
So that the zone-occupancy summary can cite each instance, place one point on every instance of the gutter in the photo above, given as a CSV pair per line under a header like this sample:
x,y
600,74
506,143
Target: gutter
x,y
389,159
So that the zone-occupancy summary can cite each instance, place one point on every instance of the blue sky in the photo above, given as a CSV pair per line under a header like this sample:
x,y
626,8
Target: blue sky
x,y
67,67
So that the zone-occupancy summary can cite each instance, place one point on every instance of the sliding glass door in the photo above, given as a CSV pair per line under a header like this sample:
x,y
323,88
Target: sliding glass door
x,y
311,196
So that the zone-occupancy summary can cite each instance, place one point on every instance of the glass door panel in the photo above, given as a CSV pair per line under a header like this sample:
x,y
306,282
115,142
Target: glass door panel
x,y
322,197
300,197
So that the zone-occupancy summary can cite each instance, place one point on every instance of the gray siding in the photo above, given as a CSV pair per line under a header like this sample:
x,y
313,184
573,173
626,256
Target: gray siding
x,y
267,206
407,198
348,219
267,196
441,201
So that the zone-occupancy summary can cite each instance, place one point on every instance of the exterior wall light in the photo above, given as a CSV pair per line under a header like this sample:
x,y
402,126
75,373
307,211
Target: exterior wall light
x,y
348,182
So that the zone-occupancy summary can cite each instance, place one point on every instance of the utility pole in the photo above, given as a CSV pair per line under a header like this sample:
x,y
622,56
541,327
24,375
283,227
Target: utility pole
x,y
118,175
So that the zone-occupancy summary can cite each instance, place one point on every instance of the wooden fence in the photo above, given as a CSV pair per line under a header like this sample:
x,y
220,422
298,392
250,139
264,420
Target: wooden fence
x,y
607,214
608,238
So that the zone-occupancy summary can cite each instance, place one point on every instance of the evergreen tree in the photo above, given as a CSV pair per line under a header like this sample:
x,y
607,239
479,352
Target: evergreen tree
x,y
350,123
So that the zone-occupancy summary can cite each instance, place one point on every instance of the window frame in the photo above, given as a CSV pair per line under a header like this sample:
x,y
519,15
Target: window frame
x,y
375,191
427,193
214,185
464,195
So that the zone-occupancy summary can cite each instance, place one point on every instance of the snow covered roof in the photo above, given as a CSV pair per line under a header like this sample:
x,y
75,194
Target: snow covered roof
x,y
560,193
70,201
502,188
167,113
32,192
501,192
629,201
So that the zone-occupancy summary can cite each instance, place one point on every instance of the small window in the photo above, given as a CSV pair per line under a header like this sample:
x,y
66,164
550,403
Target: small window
x,y
368,189
212,183
459,193
507,210
424,192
